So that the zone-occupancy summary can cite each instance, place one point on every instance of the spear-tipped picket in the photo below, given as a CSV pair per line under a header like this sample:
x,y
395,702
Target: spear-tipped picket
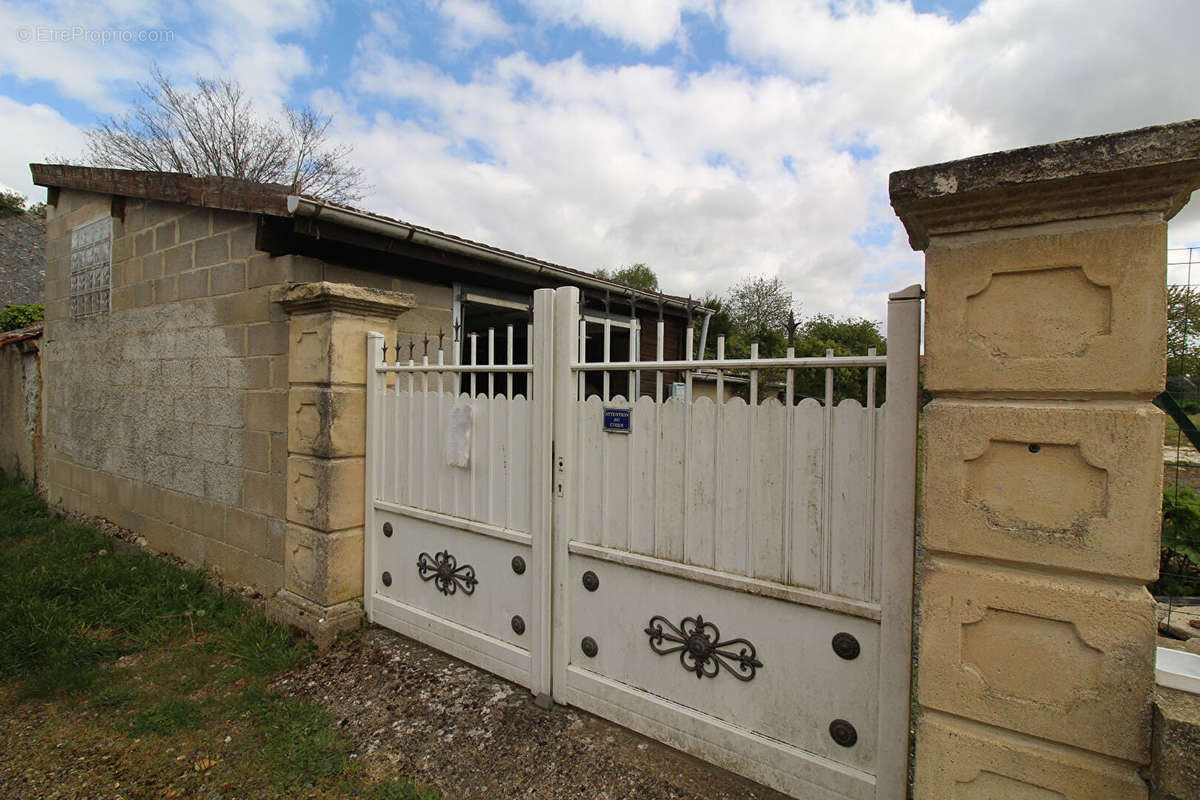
x,y
411,346
426,341
791,329
441,336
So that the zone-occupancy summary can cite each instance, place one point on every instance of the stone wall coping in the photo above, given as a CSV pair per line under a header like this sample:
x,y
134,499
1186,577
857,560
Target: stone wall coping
x,y
1151,170
307,298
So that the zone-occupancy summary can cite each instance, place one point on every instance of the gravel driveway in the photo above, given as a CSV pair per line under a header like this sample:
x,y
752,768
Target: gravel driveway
x,y
469,734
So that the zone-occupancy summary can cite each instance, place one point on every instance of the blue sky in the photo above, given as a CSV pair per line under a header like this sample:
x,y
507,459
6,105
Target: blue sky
x,y
711,139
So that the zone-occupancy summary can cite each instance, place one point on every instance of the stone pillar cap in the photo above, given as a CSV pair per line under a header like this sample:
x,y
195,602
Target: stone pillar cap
x,y
1146,170
299,298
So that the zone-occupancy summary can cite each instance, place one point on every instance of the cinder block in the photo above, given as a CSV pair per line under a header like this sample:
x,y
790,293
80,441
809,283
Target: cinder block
x,y
267,339
152,266
143,243
166,235
264,493
266,411
166,290
962,761
265,270
212,250
194,284
1048,313
328,423
241,242
325,494
325,568
1064,659
195,224
178,259
1072,485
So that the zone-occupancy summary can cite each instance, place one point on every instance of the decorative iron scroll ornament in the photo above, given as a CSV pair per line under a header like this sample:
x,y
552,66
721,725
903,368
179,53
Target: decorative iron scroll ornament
x,y
843,733
446,574
701,650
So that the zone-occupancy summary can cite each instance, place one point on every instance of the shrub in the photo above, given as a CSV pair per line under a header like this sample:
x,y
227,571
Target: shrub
x,y
14,317
1179,559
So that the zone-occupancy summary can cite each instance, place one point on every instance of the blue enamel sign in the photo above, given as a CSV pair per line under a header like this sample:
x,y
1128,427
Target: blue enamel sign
x,y
616,420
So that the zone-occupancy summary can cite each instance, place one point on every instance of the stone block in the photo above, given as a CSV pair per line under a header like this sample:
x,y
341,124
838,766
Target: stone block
x,y
325,494
962,761
1071,485
326,568
325,422
241,242
330,347
212,250
320,623
1175,761
1049,312
1064,659
423,320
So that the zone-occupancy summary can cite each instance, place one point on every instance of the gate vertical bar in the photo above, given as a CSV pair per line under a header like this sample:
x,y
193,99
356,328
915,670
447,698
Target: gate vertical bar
x,y
900,497
375,383
566,341
542,506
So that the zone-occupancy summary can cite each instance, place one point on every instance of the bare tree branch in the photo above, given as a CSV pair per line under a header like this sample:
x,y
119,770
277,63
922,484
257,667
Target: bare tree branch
x,y
215,130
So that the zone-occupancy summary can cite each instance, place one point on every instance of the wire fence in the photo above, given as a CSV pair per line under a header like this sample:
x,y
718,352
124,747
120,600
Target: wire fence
x,y
1178,584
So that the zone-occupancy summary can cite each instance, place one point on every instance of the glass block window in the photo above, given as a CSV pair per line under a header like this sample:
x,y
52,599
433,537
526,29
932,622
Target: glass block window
x,y
91,268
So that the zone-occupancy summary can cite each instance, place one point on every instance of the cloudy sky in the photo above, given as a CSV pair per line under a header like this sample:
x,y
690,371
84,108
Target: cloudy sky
x,y
710,139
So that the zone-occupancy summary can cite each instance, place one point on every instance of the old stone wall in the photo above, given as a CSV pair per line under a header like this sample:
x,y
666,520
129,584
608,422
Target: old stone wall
x,y
20,404
168,415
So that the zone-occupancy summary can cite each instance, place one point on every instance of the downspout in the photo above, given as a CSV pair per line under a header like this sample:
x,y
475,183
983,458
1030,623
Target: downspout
x,y
704,333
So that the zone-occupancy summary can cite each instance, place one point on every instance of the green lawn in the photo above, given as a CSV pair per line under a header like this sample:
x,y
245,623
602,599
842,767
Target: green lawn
x,y
107,648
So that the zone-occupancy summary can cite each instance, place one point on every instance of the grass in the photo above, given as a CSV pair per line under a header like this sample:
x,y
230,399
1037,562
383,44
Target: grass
x,y
101,643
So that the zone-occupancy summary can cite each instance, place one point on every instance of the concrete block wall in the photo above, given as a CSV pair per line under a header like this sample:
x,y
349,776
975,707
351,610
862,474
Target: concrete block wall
x,y
169,414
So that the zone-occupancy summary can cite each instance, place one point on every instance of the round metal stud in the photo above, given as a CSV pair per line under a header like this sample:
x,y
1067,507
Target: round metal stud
x,y
1035,448
846,646
387,529
588,645
843,733
590,581
387,579
518,625
518,565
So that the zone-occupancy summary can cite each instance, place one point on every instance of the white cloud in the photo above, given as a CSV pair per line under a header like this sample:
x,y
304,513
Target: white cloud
x,y
42,133
647,24
471,22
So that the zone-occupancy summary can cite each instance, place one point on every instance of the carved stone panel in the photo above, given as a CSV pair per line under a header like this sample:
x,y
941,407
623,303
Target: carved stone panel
x,y
1046,483
1056,310
1057,658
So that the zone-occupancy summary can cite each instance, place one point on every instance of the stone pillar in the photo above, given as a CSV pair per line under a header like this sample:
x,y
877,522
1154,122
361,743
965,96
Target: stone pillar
x,y
323,555
1045,326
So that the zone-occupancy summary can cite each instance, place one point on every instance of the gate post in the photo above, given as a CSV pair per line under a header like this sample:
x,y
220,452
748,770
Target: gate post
x,y
1045,274
326,425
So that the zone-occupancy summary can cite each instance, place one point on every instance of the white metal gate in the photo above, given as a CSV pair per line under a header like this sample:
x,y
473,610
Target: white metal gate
x,y
733,578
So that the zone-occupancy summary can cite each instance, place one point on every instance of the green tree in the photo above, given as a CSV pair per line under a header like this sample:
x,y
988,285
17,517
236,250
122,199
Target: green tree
x,y
1183,331
11,204
851,336
14,317
760,305
638,275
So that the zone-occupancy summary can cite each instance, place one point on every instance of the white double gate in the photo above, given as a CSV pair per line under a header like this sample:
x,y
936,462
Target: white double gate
x,y
731,578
